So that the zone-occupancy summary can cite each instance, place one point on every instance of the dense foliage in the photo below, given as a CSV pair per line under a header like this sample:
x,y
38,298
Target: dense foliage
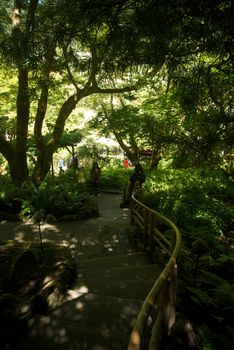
x,y
61,198
166,68
193,198
115,178
53,61
200,202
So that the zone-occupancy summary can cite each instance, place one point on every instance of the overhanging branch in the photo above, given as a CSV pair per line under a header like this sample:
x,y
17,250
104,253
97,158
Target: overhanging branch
x,y
70,75
97,89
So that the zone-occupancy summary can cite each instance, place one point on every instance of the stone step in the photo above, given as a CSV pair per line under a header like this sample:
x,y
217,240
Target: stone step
x,y
137,273
89,322
125,289
108,241
107,249
64,335
118,260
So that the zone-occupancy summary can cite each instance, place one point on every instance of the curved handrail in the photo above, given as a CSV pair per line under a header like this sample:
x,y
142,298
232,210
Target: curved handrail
x,y
163,292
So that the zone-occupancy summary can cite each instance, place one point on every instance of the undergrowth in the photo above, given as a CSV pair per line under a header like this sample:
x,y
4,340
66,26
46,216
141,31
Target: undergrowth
x,y
200,203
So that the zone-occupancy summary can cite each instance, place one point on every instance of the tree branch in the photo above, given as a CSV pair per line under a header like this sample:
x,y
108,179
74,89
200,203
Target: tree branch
x,y
212,93
98,90
70,75
42,103
31,15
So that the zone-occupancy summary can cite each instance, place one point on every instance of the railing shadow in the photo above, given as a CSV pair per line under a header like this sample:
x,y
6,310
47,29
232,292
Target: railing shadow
x,y
156,231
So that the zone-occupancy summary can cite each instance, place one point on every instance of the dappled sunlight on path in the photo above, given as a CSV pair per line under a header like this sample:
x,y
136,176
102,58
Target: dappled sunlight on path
x,y
112,281
104,233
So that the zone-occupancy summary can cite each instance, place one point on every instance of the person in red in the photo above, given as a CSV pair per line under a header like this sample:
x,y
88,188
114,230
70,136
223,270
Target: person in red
x,y
125,163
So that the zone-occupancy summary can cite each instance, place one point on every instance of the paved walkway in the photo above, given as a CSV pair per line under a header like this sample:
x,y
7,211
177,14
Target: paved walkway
x,y
113,280
101,236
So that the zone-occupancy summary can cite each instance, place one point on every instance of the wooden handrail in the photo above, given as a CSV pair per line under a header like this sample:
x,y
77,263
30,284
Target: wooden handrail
x,y
163,293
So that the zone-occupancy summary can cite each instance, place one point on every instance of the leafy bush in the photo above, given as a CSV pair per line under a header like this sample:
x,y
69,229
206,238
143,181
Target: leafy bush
x,y
115,178
192,198
200,201
60,198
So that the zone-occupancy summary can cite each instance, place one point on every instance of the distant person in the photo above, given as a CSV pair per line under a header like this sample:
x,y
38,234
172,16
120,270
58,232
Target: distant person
x,y
137,178
125,163
95,175
61,166
74,162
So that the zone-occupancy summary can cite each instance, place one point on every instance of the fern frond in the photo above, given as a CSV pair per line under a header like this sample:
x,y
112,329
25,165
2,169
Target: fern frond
x,y
211,279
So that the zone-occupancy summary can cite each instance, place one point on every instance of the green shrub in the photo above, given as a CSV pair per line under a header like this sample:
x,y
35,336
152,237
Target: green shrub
x,y
200,201
115,178
60,198
192,198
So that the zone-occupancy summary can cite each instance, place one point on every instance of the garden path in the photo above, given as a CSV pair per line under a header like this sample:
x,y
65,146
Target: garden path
x,y
98,236
113,280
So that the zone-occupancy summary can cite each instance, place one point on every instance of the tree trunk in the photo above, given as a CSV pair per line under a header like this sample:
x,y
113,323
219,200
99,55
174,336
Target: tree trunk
x,y
20,167
8,151
131,153
156,157
42,167
16,153
46,150
18,160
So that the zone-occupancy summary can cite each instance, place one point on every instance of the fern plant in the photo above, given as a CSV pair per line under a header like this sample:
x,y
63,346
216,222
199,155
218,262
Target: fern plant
x,y
18,253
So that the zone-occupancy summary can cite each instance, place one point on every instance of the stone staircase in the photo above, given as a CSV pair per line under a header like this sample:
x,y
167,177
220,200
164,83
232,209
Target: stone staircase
x,y
100,311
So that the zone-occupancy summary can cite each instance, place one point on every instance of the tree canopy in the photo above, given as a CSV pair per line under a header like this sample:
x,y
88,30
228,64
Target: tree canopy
x,y
56,53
